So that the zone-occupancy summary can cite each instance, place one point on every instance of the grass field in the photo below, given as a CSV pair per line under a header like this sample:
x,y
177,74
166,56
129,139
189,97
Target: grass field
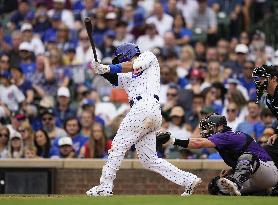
x,y
136,200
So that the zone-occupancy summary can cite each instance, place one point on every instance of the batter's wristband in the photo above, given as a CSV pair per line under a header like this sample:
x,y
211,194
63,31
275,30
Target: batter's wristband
x,y
117,68
276,131
181,143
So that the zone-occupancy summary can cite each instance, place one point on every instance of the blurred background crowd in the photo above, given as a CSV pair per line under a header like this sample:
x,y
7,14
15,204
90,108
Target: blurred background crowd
x,y
52,107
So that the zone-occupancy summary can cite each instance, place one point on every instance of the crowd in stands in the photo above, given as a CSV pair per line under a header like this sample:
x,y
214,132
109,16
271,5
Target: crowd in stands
x,y
52,106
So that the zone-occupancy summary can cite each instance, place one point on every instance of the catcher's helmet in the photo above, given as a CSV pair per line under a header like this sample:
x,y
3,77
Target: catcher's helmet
x,y
261,75
209,123
125,52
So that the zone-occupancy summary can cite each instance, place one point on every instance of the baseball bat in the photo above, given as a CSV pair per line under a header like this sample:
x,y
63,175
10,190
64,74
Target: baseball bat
x,y
89,29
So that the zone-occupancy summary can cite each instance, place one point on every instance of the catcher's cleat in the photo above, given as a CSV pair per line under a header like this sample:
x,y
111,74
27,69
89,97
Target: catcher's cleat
x,y
190,190
229,187
99,191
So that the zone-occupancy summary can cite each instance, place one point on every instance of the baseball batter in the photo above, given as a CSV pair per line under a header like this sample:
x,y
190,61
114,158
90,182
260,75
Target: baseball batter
x,y
139,74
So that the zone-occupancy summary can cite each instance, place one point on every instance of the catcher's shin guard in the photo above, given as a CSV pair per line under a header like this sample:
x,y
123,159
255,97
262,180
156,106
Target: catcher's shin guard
x,y
247,164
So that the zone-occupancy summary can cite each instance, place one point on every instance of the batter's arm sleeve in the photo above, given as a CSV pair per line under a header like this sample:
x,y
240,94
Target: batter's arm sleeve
x,y
143,61
111,77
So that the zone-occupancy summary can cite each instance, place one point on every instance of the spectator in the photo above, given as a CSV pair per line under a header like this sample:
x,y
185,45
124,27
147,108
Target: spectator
x,y
4,64
247,81
237,97
186,6
196,79
42,22
193,116
214,74
28,36
171,8
203,17
24,85
232,113
63,109
170,49
84,53
66,149
19,15
43,79
98,145
172,100
267,120
10,94
122,35
182,34
86,121
73,127
14,52
30,152
43,144
247,126
210,96
4,41
187,58
15,146
48,124
27,64
150,40
62,73
26,132
4,140
162,21
66,15
107,48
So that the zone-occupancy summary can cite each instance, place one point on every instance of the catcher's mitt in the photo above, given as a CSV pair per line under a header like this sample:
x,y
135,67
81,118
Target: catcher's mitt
x,y
162,138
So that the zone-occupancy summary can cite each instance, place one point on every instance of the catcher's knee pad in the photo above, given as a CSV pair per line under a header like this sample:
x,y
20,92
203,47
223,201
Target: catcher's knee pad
x,y
213,188
248,160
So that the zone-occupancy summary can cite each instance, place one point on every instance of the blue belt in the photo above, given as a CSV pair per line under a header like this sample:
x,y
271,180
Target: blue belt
x,y
139,97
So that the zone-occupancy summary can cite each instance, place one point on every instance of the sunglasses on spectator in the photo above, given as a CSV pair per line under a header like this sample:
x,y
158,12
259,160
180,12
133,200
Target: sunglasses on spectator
x,y
47,119
231,110
4,61
172,94
21,130
4,135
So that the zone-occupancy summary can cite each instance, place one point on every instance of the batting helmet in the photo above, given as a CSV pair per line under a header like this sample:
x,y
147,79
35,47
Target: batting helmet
x,y
209,123
125,52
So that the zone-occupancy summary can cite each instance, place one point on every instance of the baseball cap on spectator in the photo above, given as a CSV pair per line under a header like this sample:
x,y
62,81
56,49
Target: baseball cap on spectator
x,y
59,1
30,15
70,47
63,91
87,102
65,141
195,73
19,116
5,75
110,34
241,48
177,111
49,111
26,27
233,81
111,16
14,134
26,46
57,16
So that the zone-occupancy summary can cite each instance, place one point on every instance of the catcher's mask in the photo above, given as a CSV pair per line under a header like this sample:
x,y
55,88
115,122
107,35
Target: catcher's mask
x,y
261,78
209,124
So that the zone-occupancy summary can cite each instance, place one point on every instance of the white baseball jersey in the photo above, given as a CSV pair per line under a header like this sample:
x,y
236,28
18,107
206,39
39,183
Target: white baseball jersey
x,y
140,124
147,83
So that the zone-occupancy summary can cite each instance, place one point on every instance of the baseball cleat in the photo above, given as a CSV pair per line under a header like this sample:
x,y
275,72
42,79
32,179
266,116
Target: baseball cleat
x,y
99,191
229,187
190,190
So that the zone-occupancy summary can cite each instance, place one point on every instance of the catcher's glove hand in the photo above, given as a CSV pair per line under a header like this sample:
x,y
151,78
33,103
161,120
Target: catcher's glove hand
x,y
162,138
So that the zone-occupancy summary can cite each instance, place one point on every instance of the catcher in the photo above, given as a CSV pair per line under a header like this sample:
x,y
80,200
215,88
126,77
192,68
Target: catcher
x,y
252,169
